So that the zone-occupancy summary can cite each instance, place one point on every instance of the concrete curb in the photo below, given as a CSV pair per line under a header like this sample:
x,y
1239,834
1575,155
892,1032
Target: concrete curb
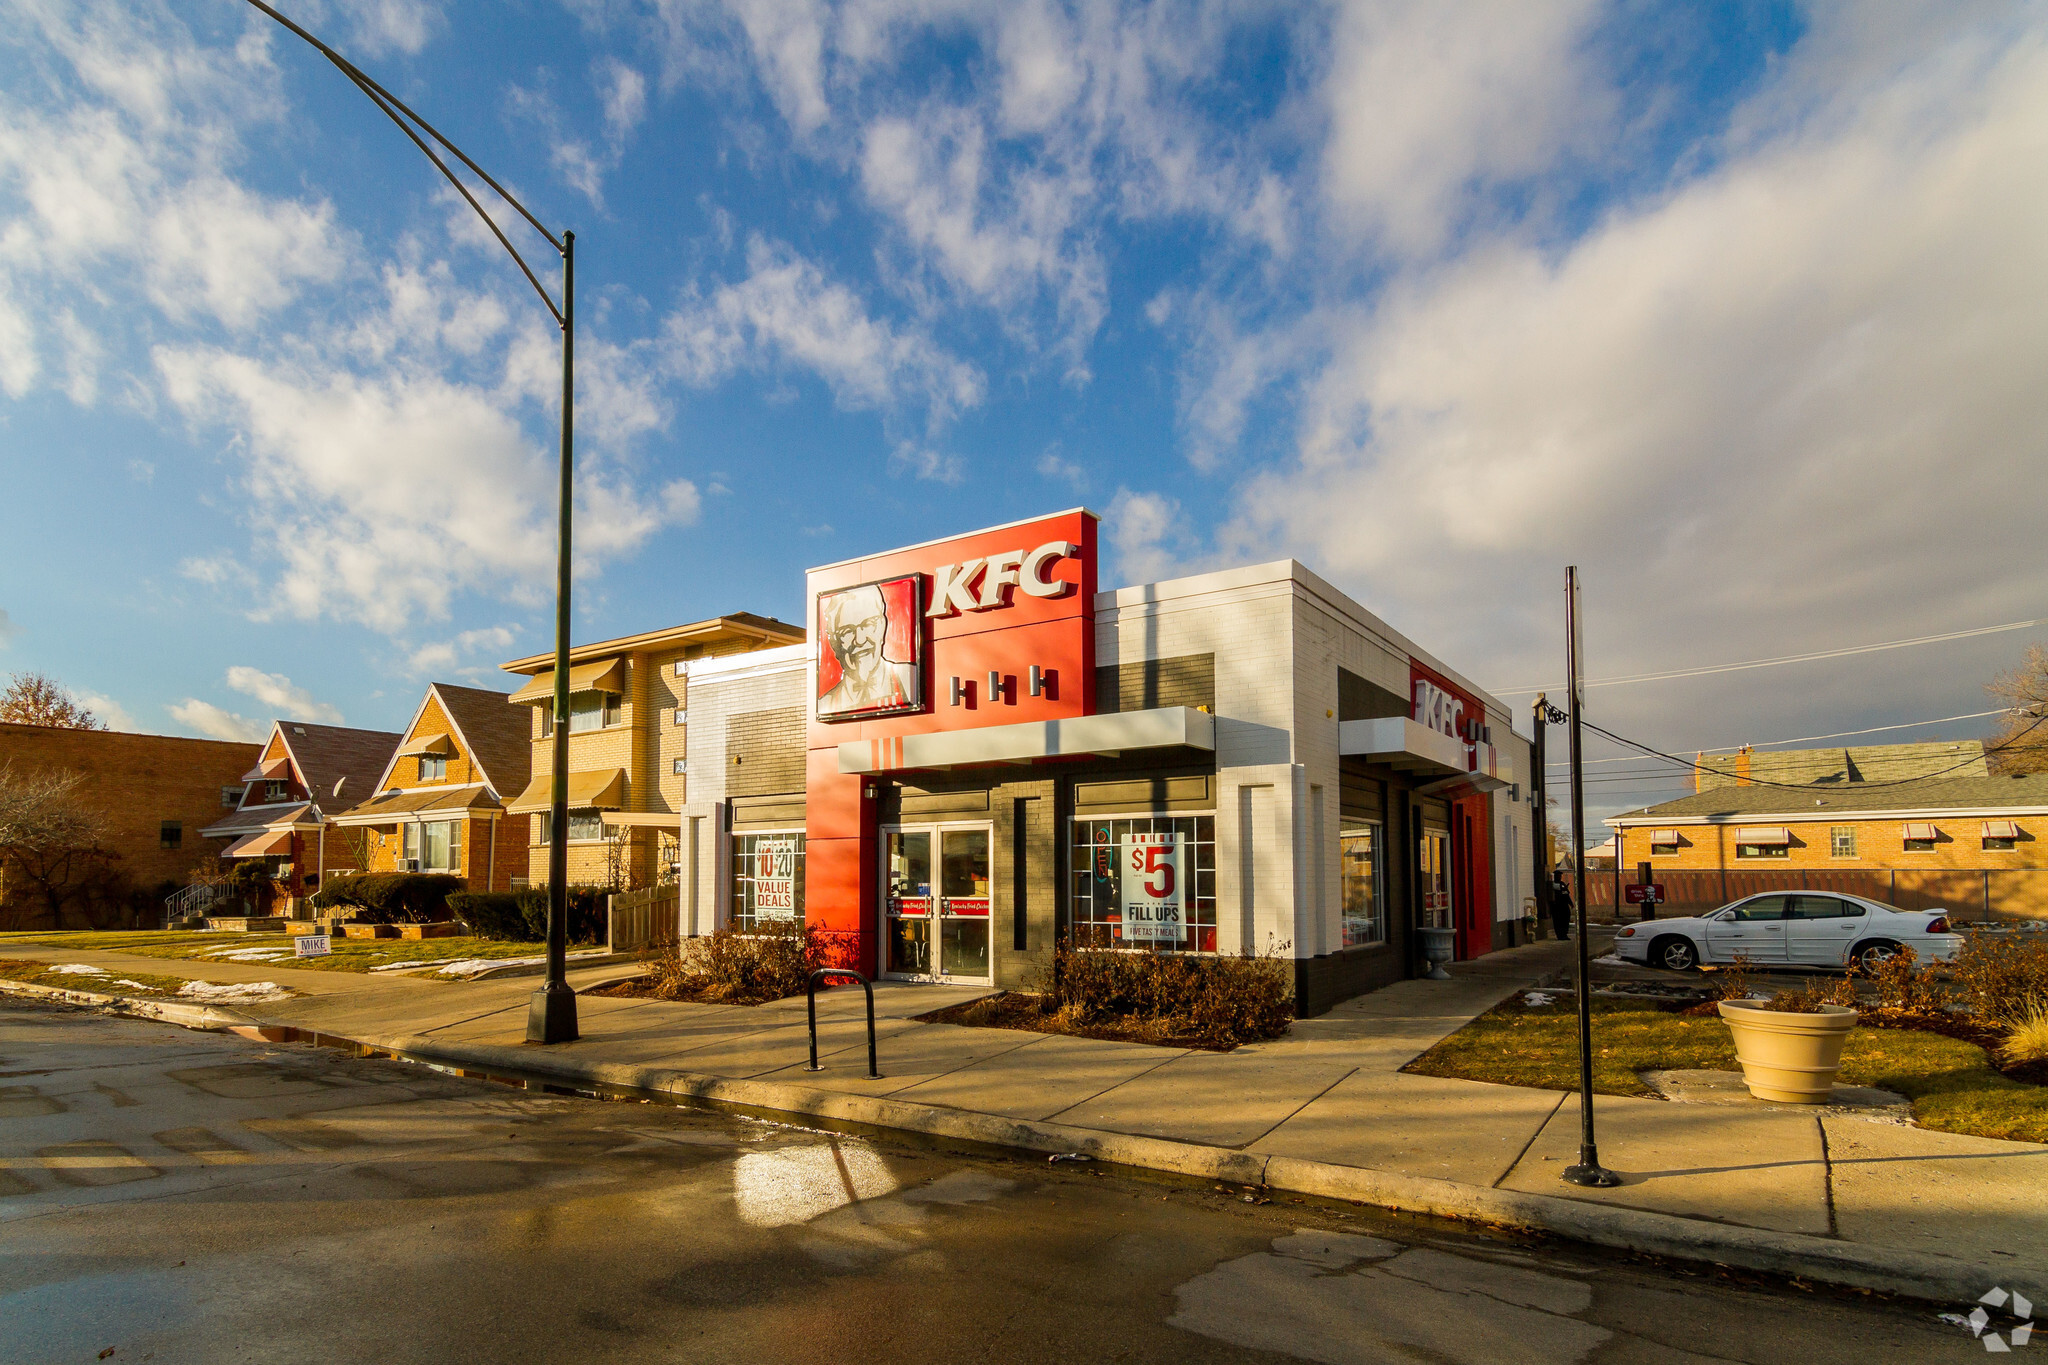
x,y
208,1018
1911,1274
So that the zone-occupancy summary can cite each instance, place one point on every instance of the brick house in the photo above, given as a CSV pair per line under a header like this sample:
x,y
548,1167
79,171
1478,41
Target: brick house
x,y
628,744
155,792
439,804
1967,843
303,776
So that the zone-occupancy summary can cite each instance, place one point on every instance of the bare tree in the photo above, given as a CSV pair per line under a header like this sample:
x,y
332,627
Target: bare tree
x,y
51,843
38,699
2022,739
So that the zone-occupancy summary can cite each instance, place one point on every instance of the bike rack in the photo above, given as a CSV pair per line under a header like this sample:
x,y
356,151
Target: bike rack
x,y
811,1008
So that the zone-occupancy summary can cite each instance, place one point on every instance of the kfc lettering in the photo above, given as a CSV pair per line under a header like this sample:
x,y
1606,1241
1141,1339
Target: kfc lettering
x,y
953,584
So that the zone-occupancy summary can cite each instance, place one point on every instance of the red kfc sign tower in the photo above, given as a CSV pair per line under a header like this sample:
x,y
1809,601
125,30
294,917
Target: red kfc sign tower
x,y
989,629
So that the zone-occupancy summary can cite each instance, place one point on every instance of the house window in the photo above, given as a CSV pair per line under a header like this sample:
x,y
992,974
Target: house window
x,y
1663,850
1842,841
1919,845
585,826
1746,851
1095,867
433,768
437,845
1997,844
682,716
767,879
1363,884
170,834
682,765
231,796
592,711
276,791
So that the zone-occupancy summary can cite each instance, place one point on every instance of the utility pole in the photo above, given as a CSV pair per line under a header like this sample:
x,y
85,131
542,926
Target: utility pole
x,y
1545,715
551,1016
1588,1171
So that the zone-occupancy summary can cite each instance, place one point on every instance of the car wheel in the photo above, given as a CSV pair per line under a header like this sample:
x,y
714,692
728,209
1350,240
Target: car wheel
x,y
1868,955
1674,954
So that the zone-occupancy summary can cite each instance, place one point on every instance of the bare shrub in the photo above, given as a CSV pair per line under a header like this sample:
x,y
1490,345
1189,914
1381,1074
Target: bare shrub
x,y
772,963
1222,999
2004,977
1904,986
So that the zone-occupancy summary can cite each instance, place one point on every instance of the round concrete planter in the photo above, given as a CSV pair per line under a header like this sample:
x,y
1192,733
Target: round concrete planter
x,y
1437,946
1790,1058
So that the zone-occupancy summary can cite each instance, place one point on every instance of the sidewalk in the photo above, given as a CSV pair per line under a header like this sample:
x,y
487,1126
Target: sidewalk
x,y
1324,1111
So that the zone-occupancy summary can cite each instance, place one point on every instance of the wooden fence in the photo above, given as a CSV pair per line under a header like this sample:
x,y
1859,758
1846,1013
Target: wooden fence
x,y
1984,894
637,919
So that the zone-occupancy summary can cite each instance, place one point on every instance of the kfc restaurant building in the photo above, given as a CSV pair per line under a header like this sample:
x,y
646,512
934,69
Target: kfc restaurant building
x,y
978,753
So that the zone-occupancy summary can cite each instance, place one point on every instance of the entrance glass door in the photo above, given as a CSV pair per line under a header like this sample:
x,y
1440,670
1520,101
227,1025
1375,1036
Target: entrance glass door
x,y
954,922
1434,878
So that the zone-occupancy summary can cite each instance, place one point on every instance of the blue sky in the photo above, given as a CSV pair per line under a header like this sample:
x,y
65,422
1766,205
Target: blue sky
x,y
1735,306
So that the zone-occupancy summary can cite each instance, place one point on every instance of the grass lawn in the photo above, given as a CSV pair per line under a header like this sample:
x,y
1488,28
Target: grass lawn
x,y
1951,1083
106,981
347,955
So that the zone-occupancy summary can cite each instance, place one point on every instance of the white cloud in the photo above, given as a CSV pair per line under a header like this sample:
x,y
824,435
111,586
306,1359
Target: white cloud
x,y
1792,402
115,715
622,99
1428,103
8,630
446,655
786,310
383,27
278,693
214,723
1053,465
1148,537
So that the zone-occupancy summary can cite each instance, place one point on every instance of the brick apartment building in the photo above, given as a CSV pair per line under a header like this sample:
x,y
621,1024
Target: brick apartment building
x,y
439,804
156,792
1941,831
628,744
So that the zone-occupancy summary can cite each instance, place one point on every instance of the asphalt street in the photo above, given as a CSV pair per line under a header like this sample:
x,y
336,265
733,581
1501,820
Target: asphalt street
x,y
174,1196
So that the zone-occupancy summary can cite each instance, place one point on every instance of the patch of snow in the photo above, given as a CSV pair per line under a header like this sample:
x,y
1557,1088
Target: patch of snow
x,y
1536,1000
77,969
1610,957
469,965
124,981
237,990
263,954
403,966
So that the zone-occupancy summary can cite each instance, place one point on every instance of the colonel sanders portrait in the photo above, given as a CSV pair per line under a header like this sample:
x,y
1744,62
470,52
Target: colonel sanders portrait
x,y
857,674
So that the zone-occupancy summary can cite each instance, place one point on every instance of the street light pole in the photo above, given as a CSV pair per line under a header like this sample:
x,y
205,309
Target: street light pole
x,y
551,1018
1588,1170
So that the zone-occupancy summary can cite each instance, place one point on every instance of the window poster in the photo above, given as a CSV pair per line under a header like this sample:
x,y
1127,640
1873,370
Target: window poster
x,y
775,878
1153,894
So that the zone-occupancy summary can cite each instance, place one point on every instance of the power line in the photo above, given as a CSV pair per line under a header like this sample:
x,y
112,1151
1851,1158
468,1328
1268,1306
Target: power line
x,y
1807,739
1808,787
1671,673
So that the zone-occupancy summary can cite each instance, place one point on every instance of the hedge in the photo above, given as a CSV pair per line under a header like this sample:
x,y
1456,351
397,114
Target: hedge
x,y
390,897
523,915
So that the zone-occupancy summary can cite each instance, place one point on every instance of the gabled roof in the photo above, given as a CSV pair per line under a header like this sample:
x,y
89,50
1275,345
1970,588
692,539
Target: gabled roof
x,y
498,737
240,822
470,799
740,625
1842,765
325,755
1734,804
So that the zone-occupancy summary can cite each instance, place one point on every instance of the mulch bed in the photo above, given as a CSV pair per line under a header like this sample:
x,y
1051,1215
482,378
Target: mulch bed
x,y
1022,1010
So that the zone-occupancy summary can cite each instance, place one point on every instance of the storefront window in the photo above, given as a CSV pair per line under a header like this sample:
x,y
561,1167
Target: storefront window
x,y
767,879
1138,879
1433,873
1365,901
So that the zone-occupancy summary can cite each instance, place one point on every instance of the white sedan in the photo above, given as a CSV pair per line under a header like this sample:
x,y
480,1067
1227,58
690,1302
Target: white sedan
x,y
1800,928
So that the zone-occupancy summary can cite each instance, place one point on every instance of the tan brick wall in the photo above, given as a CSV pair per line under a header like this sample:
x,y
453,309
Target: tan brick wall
x,y
137,782
1880,844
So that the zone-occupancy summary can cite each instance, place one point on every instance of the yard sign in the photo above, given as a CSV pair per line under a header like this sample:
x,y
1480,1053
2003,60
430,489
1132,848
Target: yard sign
x,y
310,945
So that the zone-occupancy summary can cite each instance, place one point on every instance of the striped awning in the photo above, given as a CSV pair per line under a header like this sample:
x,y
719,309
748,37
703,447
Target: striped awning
x,y
601,790
602,675
263,843
427,746
1663,836
1920,830
2001,829
1764,834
